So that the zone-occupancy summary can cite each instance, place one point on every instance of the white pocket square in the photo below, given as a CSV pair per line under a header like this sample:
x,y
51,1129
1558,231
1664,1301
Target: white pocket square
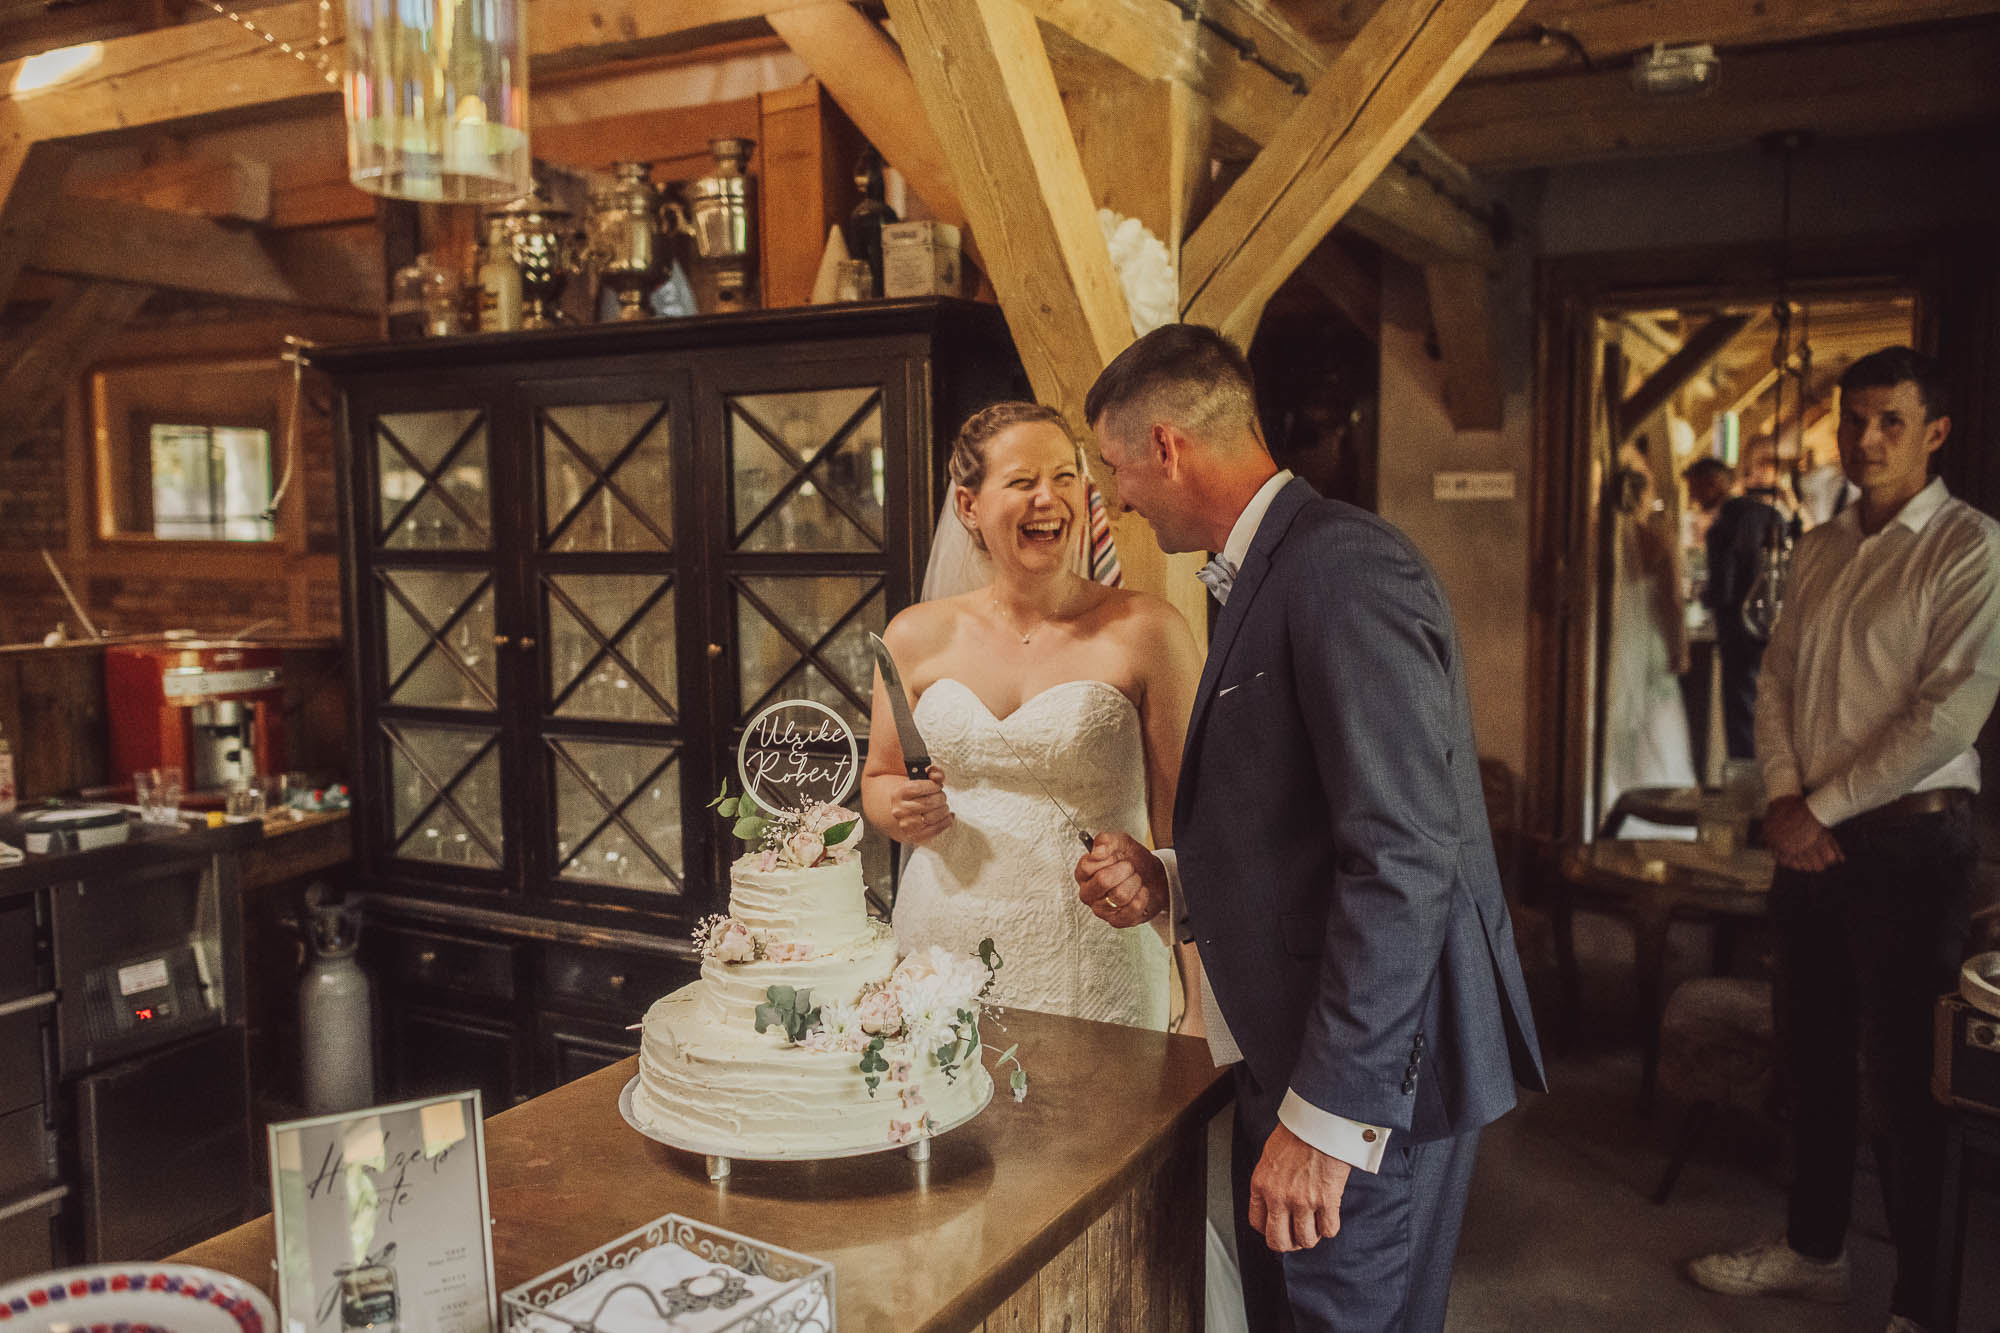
x,y
1230,689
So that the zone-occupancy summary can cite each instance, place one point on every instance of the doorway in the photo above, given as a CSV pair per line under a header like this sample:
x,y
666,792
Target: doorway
x,y
1639,380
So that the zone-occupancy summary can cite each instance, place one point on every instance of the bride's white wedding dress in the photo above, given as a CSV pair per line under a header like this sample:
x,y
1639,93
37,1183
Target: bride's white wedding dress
x,y
1005,867
1005,870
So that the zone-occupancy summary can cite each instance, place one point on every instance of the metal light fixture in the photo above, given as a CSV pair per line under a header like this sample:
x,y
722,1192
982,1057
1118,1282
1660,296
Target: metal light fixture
x,y
437,99
1676,71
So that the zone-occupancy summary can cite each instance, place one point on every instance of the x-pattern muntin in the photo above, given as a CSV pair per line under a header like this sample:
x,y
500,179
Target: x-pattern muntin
x,y
808,652
615,810
435,637
442,790
601,477
802,467
608,647
430,476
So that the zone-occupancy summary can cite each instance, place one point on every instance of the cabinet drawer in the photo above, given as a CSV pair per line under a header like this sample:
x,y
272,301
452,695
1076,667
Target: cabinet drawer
x,y
436,962
18,973
26,1155
21,1068
27,1235
604,979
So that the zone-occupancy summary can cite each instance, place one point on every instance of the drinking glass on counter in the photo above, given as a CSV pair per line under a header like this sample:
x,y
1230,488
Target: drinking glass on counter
x,y
158,793
246,797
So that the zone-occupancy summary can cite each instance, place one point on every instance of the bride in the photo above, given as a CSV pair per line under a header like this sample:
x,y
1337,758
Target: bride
x,y
1050,705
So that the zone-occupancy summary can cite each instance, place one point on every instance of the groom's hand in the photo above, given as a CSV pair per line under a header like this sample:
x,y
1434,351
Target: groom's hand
x,y
1295,1193
1121,880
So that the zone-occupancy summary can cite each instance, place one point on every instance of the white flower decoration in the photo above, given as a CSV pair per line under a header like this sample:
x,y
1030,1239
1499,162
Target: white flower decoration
x,y
1145,271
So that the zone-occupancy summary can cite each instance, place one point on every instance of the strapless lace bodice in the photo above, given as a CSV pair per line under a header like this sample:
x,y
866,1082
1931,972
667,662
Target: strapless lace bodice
x,y
1004,868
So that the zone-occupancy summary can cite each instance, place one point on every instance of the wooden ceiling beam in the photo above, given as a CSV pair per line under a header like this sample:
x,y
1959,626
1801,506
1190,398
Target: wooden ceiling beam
x,y
864,73
70,337
229,189
1875,84
114,241
1701,348
1461,301
1353,288
1149,38
983,77
31,188
1363,108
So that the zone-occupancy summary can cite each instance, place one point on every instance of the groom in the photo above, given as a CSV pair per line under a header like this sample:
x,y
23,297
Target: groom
x,y
1331,859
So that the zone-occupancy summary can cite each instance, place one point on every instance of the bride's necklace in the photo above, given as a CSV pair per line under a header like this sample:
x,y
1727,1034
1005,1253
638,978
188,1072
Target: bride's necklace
x,y
1025,635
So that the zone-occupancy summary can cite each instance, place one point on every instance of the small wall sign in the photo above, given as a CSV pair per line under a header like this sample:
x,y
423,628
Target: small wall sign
x,y
1472,485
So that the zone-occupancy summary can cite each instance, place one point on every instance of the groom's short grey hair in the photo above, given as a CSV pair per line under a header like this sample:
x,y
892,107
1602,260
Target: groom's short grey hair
x,y
1185,375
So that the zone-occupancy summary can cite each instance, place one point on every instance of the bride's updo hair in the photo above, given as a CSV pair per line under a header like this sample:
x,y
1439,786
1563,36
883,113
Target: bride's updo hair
x,y
968,451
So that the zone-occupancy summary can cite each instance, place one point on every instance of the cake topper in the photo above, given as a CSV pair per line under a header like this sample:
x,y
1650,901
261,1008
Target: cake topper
x,y
798,753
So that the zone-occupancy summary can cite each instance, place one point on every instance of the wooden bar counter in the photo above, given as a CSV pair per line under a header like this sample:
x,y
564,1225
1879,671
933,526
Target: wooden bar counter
x,y
1079,1209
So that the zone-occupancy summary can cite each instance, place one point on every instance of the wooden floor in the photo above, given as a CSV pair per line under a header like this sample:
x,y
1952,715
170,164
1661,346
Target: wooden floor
x,y
1561,1236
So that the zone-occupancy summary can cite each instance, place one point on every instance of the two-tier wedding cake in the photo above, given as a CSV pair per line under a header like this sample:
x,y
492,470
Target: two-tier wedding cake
x,y
805,1035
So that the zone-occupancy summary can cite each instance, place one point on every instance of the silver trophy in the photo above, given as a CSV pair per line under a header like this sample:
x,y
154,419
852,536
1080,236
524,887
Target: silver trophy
x,y
719,211
545,248
626,250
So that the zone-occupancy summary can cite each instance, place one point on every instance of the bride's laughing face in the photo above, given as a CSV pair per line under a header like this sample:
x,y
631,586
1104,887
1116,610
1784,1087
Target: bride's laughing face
x,y
1026,510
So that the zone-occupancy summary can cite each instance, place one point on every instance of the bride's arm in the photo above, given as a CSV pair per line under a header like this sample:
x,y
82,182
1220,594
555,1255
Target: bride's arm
x,y
910,811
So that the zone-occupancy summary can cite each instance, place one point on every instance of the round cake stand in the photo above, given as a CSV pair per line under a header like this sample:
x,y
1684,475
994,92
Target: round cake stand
x,y
719,1158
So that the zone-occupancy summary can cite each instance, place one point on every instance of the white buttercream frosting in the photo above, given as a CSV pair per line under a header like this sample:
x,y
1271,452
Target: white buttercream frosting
x,y
707,1077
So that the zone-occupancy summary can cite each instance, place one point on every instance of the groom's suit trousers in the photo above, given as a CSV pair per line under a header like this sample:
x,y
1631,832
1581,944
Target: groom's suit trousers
x,y
1389,1269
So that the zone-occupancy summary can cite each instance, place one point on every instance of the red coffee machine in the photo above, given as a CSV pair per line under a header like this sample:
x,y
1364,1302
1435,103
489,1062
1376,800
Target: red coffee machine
x,y
213,709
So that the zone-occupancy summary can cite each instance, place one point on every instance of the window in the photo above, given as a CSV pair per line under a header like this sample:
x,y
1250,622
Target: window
x,y
211,483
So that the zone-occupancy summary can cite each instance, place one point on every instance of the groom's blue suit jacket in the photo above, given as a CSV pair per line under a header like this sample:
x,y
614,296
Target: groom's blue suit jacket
x,y
1337,868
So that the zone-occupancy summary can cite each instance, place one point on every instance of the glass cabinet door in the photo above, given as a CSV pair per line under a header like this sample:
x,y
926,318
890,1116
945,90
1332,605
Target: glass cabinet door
x,y
432,580
807,472
606,580
818,478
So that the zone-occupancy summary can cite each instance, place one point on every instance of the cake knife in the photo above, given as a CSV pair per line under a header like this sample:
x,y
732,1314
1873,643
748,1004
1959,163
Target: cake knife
x,y
916,755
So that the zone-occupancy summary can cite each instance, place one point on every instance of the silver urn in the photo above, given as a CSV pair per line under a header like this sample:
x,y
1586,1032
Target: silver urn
x,y
625,247
719,211
544,247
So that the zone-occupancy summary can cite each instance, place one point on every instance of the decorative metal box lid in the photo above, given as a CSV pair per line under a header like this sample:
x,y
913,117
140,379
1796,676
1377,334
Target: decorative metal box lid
x,y
681,1276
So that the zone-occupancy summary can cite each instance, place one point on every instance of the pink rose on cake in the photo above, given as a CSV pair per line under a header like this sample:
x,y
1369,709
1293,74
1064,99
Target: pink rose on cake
x,y
823,819
943,978
789,951
733,943
881,1015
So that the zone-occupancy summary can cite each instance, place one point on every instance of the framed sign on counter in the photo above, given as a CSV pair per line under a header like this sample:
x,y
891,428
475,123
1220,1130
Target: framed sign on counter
x,y
381,1219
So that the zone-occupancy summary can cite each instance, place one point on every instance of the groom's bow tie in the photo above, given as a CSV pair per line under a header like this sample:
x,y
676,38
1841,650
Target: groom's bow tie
x,y
1220,576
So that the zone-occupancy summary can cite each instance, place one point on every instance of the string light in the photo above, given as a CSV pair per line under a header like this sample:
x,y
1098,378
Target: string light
x,y
315,55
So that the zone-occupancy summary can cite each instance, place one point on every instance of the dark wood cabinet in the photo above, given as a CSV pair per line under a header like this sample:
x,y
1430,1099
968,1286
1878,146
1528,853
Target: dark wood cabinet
x,y
577,563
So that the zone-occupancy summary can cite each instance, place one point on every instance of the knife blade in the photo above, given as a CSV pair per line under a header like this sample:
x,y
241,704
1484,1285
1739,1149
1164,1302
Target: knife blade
x,y
1074,827
916,755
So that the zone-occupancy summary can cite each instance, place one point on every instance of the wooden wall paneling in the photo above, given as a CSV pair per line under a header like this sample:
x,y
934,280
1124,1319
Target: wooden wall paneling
x,y
1107,1248
804,186
57,724
1461,301
1021,1312
1863,84
674,138
1060,1289
313,190
862,70
1362,109
986,86
67,340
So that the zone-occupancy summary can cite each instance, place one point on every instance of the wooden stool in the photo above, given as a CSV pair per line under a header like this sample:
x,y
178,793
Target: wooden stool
x,y
1716,1049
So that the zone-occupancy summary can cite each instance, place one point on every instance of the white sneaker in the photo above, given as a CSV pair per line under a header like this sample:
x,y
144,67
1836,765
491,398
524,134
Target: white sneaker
x,y
1773,1268
1902,1323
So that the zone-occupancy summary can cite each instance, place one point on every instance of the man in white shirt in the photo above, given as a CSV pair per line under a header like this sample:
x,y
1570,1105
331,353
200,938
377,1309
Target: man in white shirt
x,y
1330,834
1882,668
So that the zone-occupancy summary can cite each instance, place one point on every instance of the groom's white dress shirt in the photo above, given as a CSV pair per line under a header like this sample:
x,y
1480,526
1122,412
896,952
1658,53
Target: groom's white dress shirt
x,y
1358,1145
